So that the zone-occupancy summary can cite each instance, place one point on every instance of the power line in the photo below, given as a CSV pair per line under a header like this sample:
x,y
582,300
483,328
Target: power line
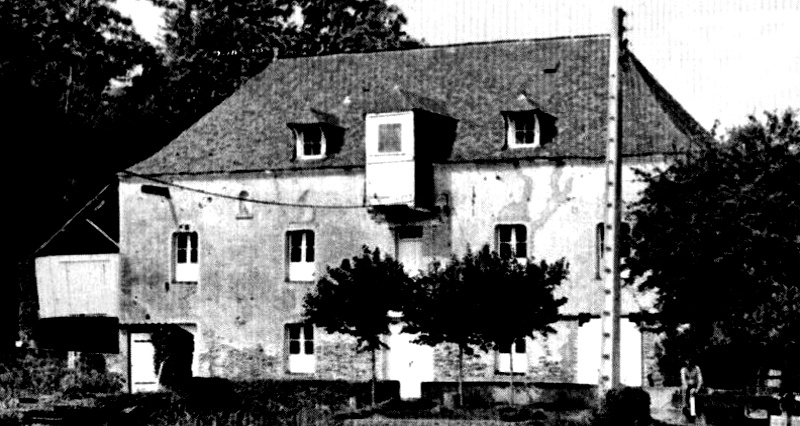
x,y
249,200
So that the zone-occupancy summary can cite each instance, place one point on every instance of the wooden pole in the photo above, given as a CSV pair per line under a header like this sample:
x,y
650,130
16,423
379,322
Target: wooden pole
x,y
610,316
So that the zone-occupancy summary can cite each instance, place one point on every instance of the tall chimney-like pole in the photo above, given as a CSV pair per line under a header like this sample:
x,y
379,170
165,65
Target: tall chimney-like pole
x,y
610,316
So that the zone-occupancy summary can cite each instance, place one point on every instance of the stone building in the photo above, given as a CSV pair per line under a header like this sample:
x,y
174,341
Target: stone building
x,y
421,153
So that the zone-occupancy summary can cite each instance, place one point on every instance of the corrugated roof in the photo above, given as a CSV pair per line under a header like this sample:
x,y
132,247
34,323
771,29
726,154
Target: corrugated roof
x,y
471,83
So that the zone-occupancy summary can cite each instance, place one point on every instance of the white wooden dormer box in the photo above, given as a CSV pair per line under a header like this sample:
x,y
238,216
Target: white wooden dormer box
x,y
403,137
391,167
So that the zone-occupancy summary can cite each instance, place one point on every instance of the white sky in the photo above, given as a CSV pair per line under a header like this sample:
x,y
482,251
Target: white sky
x,y
721,59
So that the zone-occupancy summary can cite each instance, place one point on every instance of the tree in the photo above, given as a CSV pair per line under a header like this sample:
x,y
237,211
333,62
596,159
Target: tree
x,y
522,303
442,308
213,47
58,63
515,300
356,299
342,26
717,236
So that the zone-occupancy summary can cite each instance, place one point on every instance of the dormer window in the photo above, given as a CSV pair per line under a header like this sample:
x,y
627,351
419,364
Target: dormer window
x,y
317,134
523,129
527,124
310,141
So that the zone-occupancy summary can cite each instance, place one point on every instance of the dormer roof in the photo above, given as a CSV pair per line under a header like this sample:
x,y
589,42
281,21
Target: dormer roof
x,y
523,102
314,116
397,99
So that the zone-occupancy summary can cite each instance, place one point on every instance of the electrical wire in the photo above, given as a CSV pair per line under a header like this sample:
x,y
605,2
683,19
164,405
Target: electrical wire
x,y
248,200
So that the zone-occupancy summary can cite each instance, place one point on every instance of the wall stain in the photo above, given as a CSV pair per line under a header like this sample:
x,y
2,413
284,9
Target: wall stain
x,y
559,197
518,210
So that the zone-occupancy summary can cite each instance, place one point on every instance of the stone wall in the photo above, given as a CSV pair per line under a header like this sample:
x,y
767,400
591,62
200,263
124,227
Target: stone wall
x,y
550,359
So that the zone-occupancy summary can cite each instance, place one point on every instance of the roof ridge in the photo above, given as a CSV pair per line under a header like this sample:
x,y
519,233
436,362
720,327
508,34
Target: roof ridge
x,y
452,45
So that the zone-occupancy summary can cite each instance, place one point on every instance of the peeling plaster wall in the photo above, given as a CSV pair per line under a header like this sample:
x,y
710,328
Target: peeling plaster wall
x,y
243,299
560,205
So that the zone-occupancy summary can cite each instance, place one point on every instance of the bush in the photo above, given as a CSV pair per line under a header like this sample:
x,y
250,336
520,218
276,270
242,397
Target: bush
x,y
42,373
273,402
624,406
30,376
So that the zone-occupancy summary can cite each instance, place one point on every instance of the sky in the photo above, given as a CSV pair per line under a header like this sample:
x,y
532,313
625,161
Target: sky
x,y
721,59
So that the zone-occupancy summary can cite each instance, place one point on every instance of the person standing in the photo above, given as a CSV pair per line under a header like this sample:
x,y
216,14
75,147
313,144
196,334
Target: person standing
x,y
691,384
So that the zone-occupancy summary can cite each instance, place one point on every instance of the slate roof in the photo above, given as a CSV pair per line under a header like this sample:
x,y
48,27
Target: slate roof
x,y
472,83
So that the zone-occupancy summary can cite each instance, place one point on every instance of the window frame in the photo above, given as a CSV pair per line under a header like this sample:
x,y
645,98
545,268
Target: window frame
x,y
600,245
410,237
302,270
301,132
520,357
304,361
514,120
191,254
513,227
398,134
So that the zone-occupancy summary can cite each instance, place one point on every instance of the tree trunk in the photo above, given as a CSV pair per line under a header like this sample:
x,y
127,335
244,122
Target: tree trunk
x,y
460,376
374,375
511,373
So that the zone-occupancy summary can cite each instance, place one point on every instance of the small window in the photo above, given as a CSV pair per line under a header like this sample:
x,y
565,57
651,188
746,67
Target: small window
x,y
389,138
512,241
506,354
186,267
600,243
523,130
300,348
301,255
310,141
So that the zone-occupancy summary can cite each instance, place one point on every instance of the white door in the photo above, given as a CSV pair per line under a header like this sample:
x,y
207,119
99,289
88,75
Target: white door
x,y
143,375
409,363
630,353
410,249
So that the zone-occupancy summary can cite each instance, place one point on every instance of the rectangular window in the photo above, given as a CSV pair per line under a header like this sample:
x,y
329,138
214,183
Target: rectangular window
x,y
523,130
186,267
389,138
600,243
512,241
506,354
599,246
410,249
312,142
301,255
300,348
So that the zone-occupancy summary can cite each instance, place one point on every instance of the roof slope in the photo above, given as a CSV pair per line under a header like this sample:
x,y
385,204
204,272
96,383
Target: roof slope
x,y
472,83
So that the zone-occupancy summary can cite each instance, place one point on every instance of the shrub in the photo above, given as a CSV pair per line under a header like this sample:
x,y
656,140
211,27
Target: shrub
x,y
42,373
624,406
30,376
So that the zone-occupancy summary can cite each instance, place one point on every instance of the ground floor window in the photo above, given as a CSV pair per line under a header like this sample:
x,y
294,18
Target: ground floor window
x,y
512,352
300,345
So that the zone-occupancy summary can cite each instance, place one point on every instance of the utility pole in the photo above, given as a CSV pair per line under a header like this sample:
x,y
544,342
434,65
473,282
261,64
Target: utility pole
x,y
610,317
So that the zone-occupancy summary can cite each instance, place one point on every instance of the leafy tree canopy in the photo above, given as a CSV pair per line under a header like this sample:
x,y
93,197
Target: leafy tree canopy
x,y
339,26
213,46
356,298
717,235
